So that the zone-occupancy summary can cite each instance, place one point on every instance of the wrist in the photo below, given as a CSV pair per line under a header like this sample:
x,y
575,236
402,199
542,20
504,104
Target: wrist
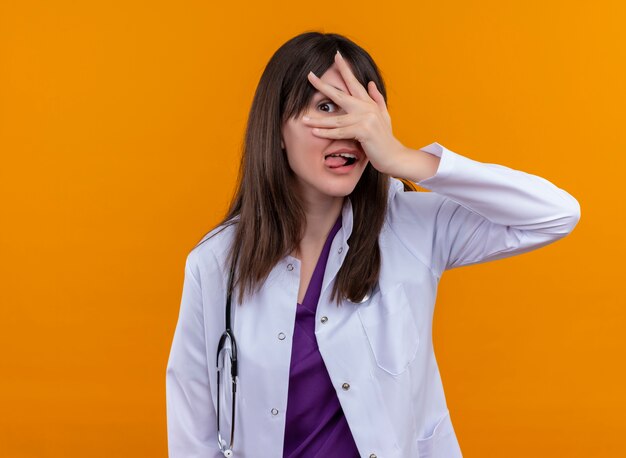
x,y
414,165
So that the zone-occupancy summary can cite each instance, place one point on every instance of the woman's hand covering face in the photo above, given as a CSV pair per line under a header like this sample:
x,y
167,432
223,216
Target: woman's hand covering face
x,y
366,120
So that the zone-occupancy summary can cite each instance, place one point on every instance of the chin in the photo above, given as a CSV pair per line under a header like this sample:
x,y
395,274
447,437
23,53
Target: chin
x,y
329,185
339,189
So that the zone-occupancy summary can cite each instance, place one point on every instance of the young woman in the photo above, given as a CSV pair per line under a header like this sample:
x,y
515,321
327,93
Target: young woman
x,y
335,267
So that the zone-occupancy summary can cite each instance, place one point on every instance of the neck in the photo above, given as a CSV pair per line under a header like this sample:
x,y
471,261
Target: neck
x,y
321,216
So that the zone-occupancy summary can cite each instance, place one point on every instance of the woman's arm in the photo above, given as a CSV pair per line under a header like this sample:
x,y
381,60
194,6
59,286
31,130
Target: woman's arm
x,y
191,420
480,211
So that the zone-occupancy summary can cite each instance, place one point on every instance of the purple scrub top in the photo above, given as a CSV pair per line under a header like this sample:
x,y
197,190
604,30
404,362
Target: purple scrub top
x,y
315,424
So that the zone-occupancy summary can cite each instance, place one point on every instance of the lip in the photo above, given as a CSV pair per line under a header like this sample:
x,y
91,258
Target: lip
x,y
357,153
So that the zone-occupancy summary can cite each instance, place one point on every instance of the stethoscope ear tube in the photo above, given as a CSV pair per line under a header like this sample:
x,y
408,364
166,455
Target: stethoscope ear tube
x,y
229,330
229,292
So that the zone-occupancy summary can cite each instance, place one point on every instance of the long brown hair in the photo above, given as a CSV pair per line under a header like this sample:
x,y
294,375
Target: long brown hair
x,y
268,216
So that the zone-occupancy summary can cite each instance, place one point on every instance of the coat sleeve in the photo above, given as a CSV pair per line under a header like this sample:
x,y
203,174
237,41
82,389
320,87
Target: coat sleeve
x,y
191,418
479,212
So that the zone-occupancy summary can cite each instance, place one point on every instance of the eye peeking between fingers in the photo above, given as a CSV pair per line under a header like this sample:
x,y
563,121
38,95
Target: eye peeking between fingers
x,y
326,103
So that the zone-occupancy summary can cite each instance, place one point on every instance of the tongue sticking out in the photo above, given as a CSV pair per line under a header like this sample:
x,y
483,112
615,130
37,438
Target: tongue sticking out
x,y
336,161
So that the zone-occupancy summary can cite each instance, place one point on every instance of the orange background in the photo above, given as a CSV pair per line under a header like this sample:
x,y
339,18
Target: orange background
x,y
120,131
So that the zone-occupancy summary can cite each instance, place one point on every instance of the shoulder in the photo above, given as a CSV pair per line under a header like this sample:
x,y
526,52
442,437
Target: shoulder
x,y
413,207
413,219
210,253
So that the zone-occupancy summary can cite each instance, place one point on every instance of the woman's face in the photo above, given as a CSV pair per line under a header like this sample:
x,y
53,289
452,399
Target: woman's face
x,y
318,177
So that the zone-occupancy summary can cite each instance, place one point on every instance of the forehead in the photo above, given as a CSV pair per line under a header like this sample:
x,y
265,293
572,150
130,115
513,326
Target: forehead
x,y
333,77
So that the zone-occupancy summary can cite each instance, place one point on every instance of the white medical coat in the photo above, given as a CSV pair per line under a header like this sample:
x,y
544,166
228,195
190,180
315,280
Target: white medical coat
x,y
382,348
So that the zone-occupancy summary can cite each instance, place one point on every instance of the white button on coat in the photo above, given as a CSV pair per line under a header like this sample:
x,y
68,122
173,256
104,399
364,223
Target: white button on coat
x,y
477,212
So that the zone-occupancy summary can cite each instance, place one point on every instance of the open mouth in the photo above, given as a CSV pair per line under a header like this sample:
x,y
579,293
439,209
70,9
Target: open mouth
x,y
335,160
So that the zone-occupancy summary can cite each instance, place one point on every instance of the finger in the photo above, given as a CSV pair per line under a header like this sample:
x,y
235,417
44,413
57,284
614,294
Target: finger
x,y
355,87
343,99
337,133
376,95
330,121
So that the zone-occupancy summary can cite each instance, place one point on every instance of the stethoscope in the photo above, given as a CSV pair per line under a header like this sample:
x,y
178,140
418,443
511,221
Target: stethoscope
x,y
223,350
231,351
